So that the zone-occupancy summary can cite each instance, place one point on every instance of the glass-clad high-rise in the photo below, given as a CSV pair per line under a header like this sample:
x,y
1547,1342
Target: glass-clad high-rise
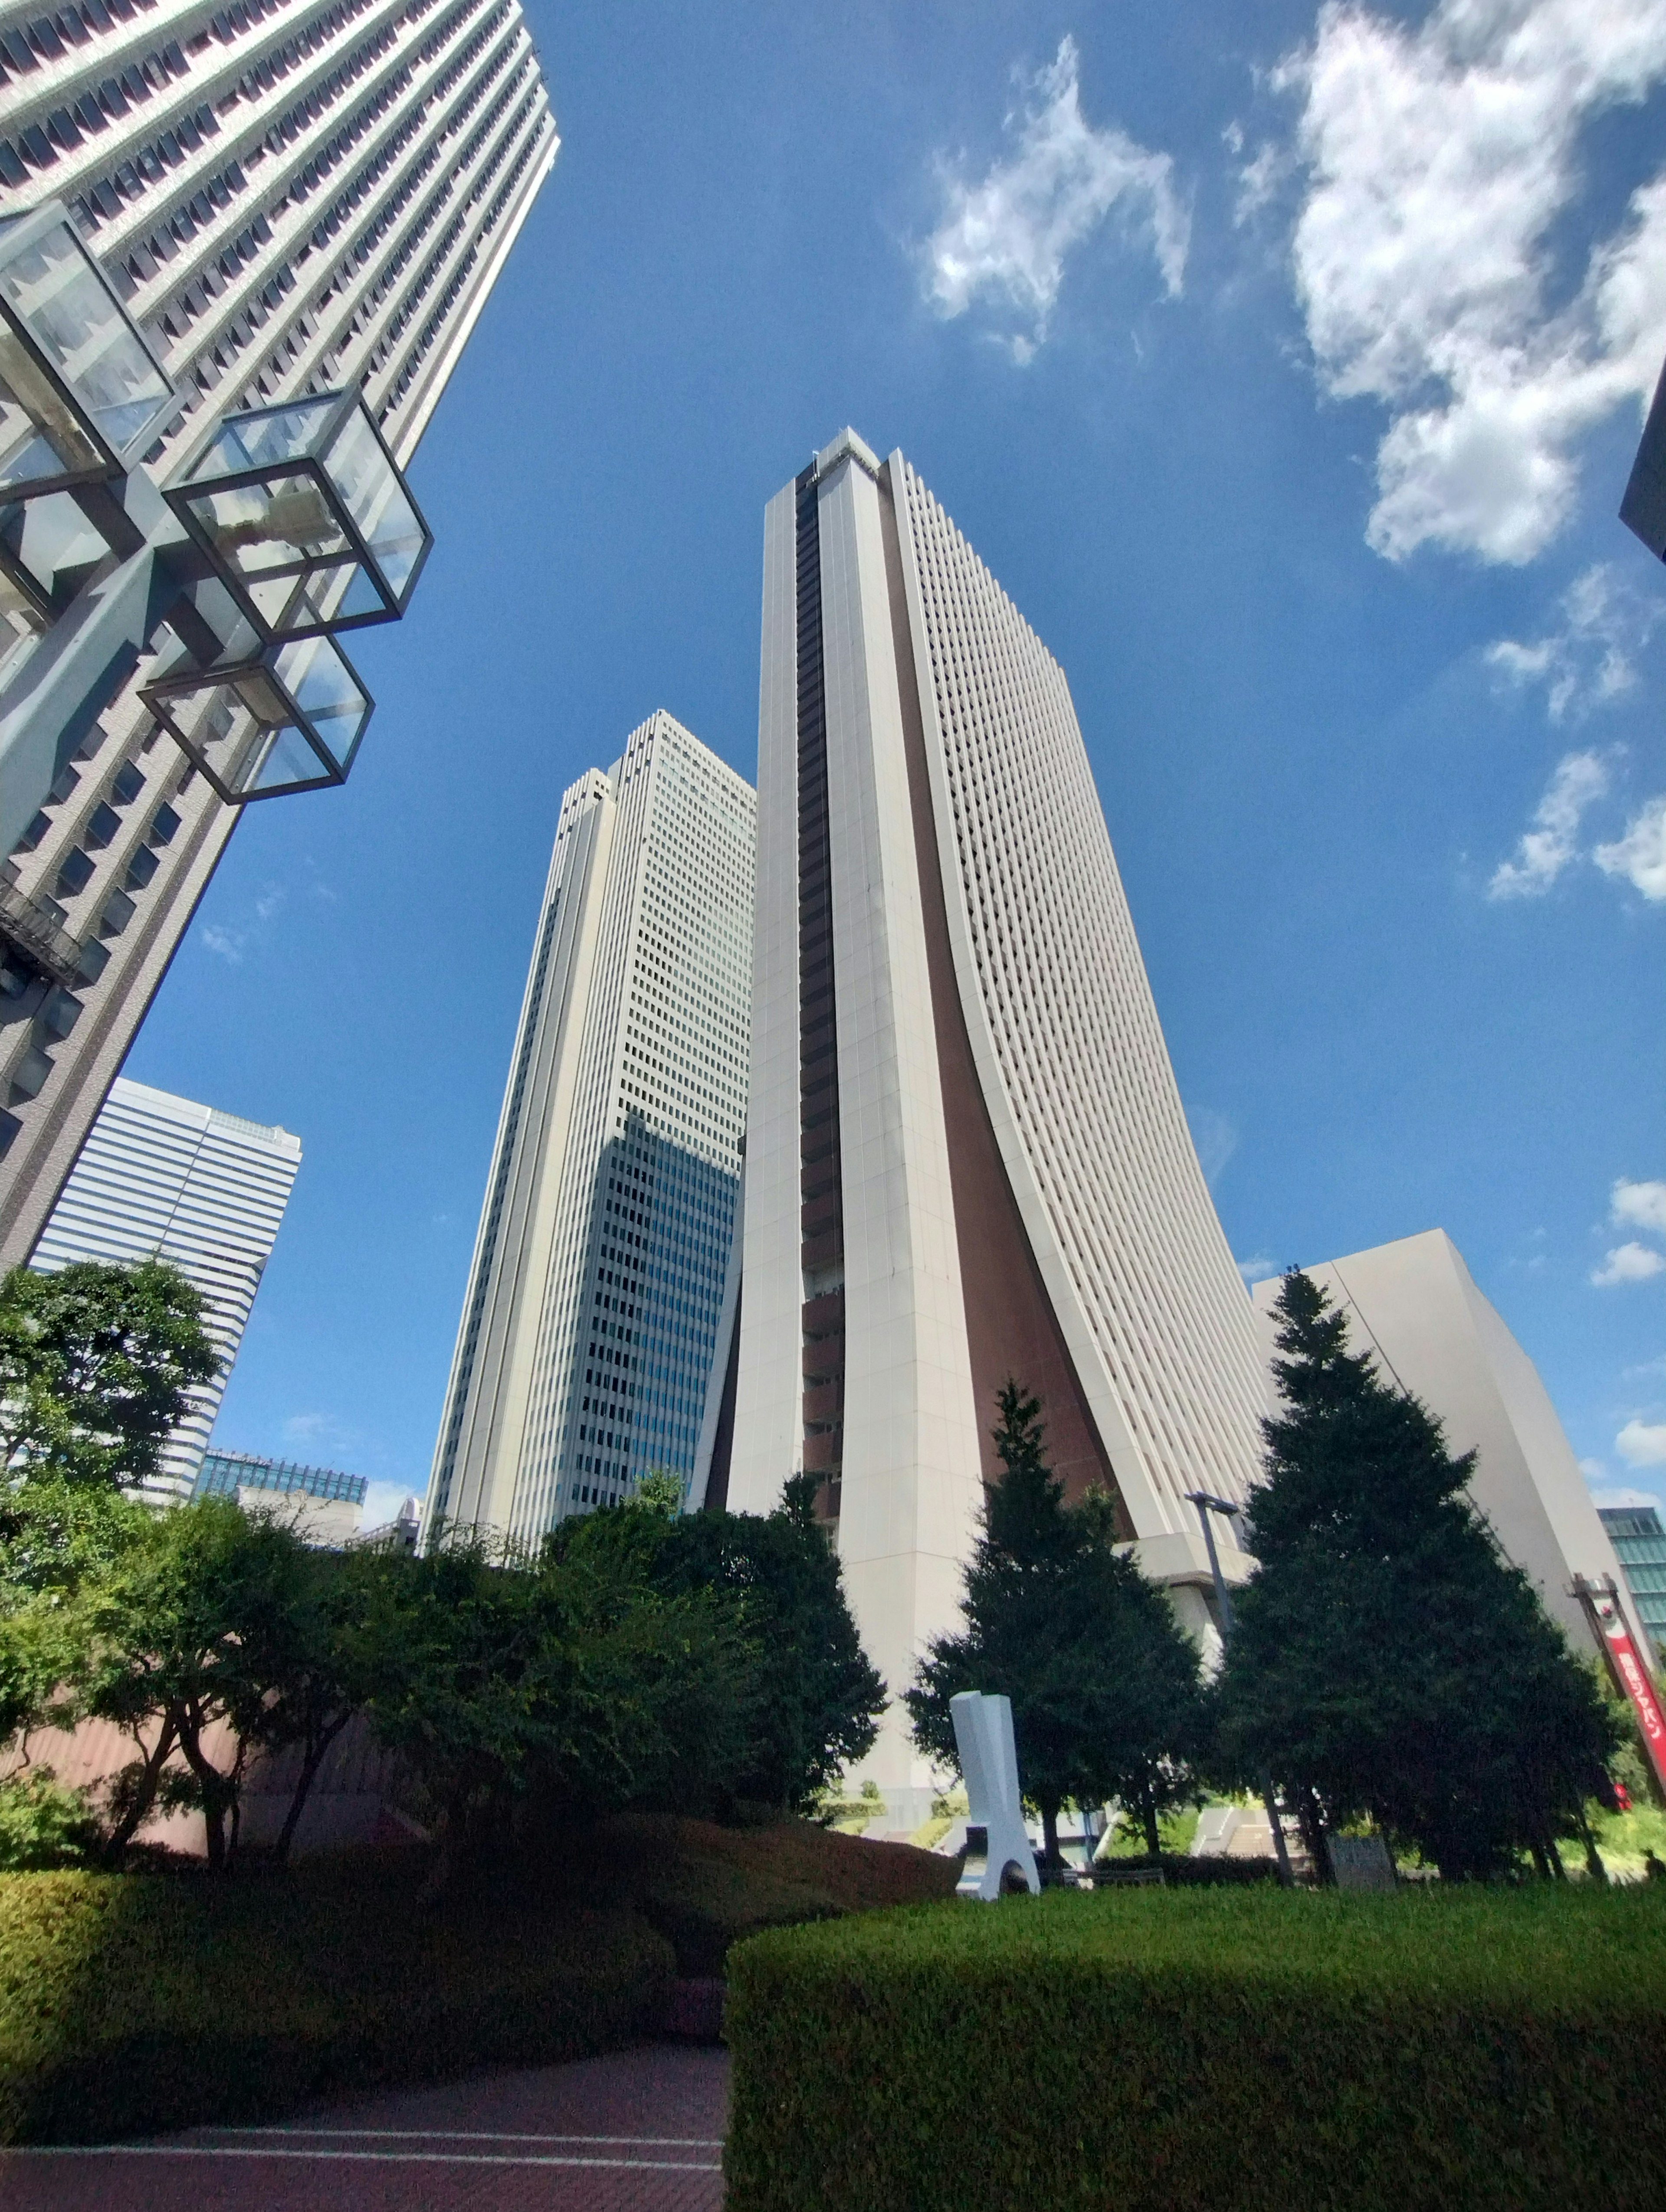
x,y
163,1178
603,1283
286,200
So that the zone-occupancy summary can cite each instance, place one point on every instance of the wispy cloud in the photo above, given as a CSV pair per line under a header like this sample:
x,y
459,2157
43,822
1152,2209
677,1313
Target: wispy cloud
x,y
1589,660
1258,1270
1215,1137
1624,1498
1640,857
1436,163
1003,238
1552,840
1631,1262
1642,1443
227,943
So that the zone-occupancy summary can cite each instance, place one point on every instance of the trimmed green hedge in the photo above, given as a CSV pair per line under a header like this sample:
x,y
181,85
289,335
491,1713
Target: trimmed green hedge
x,y
130,2002
1159,2051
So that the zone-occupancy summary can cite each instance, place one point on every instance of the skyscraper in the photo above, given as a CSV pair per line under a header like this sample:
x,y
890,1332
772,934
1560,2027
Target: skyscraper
x,y
966,1153
602,1275
1414,1305
1639,1544
161,1177
290,200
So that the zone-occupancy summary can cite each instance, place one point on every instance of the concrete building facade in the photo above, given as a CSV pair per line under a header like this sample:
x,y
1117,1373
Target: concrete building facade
x,y
602,1282
1414,1304
967,1157
324,1506
289,200
161,1177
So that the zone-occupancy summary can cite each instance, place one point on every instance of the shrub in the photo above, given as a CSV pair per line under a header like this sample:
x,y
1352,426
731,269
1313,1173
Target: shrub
x,y
42,1823
130,2002
706,1888
1151,2050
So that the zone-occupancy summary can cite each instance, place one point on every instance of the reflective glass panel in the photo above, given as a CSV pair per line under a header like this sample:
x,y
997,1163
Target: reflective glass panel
x,y
372,494
280,521
40,436
76,321
256,440
287,763
325,688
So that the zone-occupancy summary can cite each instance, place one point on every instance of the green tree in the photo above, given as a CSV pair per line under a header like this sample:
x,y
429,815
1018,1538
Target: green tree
x,y
183,1644
57,1539
812,1697
1386,1655
96,1362
1103,1681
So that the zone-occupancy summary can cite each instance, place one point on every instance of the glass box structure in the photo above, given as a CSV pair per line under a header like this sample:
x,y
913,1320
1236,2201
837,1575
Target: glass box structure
x,y
1640,1544
288,719
306,516
81,393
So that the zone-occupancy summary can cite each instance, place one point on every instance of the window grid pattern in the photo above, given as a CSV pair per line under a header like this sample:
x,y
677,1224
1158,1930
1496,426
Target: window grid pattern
x,y
1082,1062
162,1178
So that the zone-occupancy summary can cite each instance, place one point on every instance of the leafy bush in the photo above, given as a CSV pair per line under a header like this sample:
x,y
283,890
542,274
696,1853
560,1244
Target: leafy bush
x,y
1406,2053
706,1888
42,1823
130,2002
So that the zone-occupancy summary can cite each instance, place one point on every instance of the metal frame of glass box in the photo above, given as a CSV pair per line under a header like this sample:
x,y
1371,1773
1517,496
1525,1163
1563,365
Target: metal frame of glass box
x,y
73,364
305,515
287,689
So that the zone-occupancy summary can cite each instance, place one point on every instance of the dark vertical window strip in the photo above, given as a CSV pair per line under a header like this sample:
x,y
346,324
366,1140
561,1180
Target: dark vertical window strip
x,y
822,1218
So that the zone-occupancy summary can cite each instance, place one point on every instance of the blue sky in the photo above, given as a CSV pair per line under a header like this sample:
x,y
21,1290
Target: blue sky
x,y
1287,368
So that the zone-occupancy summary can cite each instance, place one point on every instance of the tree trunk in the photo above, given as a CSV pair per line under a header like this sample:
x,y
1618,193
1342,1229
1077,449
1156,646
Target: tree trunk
x,y
219,1791
1310,1815
1148,1814
309,1769
1051,1855
144,1797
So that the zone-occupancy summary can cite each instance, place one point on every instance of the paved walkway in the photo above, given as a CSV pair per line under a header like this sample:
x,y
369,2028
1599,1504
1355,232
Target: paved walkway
x,y
642,2131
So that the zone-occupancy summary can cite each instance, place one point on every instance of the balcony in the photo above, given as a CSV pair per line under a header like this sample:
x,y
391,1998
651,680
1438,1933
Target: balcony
x,y
35,927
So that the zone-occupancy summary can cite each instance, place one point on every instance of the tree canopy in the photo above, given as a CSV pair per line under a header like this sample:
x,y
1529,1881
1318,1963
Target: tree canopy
x,y
1386,1654
1103,1680
96,1362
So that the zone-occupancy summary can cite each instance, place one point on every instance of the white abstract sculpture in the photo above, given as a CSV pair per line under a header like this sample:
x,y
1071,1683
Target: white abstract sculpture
x,y
989,1762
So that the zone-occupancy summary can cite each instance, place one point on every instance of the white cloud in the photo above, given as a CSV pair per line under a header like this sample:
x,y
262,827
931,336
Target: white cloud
x,y
1628,1263
1257,1270
1640,855
1005,238
1589,660
382,1501
1593,1470
1625,1497
228,943
1642,1443
1640,1204
1552,841
1215,1137
1437,162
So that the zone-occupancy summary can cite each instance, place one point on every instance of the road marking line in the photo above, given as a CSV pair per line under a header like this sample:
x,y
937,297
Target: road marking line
x,y
352,2157
474,2135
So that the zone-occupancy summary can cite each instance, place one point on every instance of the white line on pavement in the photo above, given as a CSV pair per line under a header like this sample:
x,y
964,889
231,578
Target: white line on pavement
x,y
360,2157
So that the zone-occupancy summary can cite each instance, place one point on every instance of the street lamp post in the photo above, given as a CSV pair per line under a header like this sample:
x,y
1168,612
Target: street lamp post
x,y
1206,1506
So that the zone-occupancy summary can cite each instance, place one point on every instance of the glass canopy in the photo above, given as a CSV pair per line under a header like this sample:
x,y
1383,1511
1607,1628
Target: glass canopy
x,y
289,718
306,516
80,394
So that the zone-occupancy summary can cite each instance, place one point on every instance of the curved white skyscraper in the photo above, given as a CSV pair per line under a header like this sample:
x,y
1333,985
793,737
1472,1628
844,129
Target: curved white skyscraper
x,y
967,1156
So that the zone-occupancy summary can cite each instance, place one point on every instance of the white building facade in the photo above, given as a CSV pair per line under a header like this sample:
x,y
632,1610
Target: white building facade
x,y
1414,1305
290,199
163,1178
602,1284
967,1157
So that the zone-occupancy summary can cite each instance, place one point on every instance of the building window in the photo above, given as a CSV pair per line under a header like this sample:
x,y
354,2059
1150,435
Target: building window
x,y
76,873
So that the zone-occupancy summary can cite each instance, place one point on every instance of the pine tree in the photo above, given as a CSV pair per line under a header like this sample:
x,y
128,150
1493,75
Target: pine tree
x,y
1386,1655
1103,1682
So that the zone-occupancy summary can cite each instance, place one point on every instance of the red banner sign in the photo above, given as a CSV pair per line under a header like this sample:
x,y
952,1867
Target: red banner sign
x,y
1634,1675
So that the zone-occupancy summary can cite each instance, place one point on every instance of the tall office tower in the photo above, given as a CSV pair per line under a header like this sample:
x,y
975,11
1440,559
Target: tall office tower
x,y
160,1177
602,1278
966,1153
289,199
1414,1304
